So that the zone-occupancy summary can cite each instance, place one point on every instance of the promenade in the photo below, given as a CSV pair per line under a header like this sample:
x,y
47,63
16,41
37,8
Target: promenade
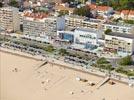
x,y
53,61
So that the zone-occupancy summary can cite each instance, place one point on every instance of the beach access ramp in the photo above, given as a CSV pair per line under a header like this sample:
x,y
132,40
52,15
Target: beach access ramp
x,y
103,82
39,65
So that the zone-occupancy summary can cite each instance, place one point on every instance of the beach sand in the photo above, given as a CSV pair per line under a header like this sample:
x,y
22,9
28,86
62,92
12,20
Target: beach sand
x,y
20,80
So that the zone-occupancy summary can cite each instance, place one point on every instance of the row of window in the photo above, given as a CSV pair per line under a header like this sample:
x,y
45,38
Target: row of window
x,y
88,36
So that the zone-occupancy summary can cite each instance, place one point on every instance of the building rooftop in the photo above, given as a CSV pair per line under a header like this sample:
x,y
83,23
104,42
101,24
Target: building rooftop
x,y
39,15
61,7
125,12
9,8
87,30
119,24
75,17
93,20
103,8
92,6
100,8
131,36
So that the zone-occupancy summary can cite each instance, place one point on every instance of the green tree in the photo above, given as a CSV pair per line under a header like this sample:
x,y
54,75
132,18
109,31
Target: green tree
x,y
63,12
102,61
121,70
108,31
118,4
49,48
126,61
63,52
83,11
129,21
14,3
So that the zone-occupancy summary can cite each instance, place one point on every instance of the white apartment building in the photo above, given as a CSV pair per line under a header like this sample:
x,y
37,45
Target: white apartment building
x,y
40,23
74,21
34,27
52,24
9,19
122,44
121,28
83,22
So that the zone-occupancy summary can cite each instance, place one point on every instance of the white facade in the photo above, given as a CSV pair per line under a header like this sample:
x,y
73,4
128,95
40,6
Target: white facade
x,y
84,36
48,25
9,19
31,26
121,43
82,22
121,28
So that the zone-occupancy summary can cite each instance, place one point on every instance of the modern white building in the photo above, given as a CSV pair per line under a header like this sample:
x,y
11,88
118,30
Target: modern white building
x,y
84,36
9,19
120,27
122,44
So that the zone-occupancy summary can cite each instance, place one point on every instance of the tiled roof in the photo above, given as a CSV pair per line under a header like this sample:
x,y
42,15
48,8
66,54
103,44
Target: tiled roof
x,y
102,8
61,7
92,6
39,15
125,12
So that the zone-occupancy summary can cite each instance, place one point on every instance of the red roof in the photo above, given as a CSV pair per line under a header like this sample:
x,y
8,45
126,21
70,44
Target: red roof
x,y
125,12
117,12
103,8
92,6
39,15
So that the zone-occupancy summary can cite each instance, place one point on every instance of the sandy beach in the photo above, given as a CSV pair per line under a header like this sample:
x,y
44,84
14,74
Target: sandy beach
x,y
20,80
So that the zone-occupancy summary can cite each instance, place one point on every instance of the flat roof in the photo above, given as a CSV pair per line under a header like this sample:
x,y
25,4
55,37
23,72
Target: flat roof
x,y
76,17
131,36
9,8
119,24
93,20
87,30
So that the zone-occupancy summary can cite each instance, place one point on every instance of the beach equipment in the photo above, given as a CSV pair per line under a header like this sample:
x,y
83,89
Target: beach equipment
x,y
71,92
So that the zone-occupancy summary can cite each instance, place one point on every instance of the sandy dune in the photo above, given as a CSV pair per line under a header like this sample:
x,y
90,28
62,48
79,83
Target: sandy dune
x,y
52,82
